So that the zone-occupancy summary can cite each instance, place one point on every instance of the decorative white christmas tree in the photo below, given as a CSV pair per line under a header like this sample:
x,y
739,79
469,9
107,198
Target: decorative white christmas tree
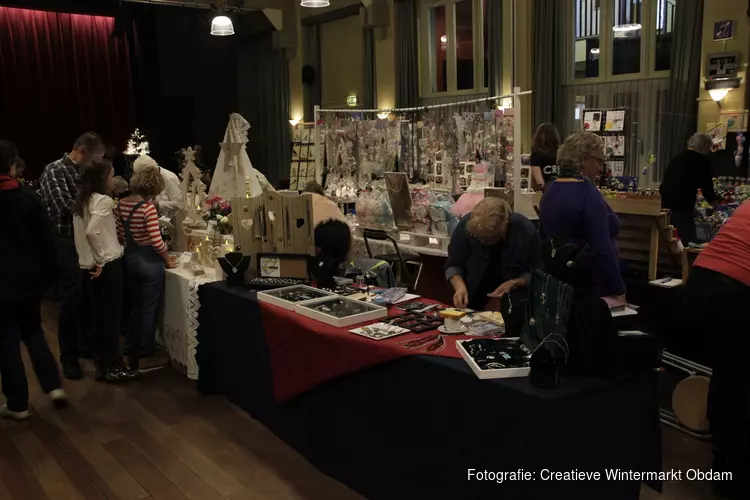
x,y
193,190
137,144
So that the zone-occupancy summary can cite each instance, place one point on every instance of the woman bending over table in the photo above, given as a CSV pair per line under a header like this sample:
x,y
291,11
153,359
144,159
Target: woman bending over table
x,y
492,253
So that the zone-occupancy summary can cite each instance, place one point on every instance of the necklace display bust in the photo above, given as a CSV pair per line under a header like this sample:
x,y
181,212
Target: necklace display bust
x,y
235,265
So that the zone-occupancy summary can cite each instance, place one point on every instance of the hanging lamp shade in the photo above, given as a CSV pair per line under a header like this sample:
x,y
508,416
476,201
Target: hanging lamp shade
x,y
222,26
315,4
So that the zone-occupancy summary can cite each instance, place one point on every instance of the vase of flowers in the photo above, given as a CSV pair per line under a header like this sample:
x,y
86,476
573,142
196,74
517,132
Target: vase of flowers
x,y
218,209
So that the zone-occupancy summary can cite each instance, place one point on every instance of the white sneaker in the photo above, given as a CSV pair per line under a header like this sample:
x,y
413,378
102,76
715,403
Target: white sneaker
x,y
13,415
59,398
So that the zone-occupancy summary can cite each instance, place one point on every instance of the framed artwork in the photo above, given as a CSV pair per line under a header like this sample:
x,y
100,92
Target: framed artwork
x,y
615,121
615,145
723,30
617,168
592,121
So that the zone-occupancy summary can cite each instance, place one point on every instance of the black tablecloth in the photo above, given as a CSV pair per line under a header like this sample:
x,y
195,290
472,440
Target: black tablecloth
x,y
413,428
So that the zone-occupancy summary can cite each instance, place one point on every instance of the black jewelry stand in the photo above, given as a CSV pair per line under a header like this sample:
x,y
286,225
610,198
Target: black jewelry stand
x,y
322,268
235,267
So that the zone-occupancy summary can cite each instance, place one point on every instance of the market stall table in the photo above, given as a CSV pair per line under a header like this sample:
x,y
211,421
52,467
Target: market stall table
x,y
410,426
178,322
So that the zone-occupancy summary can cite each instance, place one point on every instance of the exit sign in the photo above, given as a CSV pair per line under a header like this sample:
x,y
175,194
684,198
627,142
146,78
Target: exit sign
x,y
351,100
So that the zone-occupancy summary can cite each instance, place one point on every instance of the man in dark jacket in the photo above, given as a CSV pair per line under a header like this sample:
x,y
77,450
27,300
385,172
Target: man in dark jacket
x,y
27,253
688,172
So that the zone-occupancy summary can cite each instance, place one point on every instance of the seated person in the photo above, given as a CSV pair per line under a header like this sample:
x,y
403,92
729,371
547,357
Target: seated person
x,y
491,253
573,211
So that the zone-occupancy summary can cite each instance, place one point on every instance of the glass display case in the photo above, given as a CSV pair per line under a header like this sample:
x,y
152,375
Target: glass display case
x,y
288,297
340,311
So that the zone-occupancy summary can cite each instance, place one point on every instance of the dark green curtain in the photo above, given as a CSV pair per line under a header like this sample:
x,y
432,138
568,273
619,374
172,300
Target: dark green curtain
x,y
263,76
368,68
495,49
681,113
548,59
311,91
407,58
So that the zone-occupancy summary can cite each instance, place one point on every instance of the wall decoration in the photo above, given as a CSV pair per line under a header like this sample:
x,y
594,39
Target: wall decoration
x,y
723,30
617,168
718,133
736,121
592,121
614,145
615,121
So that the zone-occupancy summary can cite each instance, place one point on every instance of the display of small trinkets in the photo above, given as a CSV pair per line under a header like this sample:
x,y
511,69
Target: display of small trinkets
x,y
296,294
380,331
266,283
418,323
432,344
341,308
496,354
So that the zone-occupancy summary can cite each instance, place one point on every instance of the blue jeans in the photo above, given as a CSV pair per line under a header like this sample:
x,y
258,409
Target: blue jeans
x,y
144,274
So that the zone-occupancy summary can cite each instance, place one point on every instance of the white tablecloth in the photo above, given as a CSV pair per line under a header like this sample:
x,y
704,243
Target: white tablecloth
x,y
179,320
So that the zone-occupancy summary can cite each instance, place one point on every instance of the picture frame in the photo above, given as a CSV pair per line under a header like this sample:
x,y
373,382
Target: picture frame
x,y
723,30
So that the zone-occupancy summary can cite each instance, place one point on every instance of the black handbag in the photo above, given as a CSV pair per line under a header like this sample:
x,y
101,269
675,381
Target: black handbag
x,y
548,309
572,263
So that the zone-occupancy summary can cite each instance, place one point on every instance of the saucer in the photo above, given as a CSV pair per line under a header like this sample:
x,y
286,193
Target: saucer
x,y
461,330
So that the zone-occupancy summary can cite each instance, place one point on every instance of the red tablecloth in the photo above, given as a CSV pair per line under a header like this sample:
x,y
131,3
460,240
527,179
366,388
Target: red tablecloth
x,y
305,352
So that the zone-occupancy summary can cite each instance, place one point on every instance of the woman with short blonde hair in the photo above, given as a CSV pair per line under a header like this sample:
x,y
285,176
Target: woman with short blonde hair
x,y
573,211
491,254
146,256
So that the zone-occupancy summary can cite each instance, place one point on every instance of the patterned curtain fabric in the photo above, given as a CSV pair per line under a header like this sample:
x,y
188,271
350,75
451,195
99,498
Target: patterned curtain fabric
x,y
495,49
547,60
681,114
407,59
264,77
311,92
368,68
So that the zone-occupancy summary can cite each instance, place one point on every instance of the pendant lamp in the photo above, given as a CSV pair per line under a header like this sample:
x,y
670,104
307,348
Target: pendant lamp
x,y
221,25
315,4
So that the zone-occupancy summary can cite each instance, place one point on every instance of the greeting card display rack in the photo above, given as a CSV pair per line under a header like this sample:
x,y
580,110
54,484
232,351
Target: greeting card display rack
x,y
306,152
612,126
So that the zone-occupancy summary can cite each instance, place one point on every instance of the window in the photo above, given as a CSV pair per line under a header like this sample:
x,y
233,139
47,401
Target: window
x,y
620,39
454,39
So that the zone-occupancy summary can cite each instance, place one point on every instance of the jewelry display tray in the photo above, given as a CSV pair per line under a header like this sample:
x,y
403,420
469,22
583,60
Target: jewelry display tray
x,y
491,374
374,312
275,296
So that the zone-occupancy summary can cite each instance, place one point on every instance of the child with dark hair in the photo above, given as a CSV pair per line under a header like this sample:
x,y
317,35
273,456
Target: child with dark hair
x,y
333,238
100,256
27,251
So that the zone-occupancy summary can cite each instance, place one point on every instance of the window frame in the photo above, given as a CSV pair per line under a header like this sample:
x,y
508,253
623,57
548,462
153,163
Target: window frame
x,y
606,42
425,44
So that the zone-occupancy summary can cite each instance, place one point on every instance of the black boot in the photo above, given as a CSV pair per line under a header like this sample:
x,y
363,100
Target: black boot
x,y
99,373
71,369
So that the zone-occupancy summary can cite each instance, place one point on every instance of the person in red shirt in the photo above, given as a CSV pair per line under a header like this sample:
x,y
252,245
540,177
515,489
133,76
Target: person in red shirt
x,y
718,292
146,256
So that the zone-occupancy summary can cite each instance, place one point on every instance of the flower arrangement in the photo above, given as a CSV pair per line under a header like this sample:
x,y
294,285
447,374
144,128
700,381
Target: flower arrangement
x,y
218,209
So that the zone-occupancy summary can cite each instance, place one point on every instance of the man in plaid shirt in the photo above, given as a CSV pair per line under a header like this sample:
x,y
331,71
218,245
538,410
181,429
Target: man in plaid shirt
x,y
58,189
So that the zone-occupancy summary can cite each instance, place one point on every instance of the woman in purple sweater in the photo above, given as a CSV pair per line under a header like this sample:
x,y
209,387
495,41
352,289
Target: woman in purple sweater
x,y
573,210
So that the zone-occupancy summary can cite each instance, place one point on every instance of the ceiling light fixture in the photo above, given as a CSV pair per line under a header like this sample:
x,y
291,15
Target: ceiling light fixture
x,y
315,4
594,50
221,24
626,27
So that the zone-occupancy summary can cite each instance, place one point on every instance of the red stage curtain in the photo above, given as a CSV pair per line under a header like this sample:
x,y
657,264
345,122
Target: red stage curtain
x,y
61,75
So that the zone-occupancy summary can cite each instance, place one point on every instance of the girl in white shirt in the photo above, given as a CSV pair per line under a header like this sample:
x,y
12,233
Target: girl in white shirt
x,y
100,252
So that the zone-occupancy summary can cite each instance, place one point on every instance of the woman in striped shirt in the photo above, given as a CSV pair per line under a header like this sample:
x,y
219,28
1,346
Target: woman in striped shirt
x,y
146,256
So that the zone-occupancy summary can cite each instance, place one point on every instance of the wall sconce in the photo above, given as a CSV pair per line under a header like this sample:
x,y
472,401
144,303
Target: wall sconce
x,y
384,115
294,121
719,88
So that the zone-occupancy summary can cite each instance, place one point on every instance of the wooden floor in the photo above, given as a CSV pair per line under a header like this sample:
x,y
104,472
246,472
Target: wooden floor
x,y
158,439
